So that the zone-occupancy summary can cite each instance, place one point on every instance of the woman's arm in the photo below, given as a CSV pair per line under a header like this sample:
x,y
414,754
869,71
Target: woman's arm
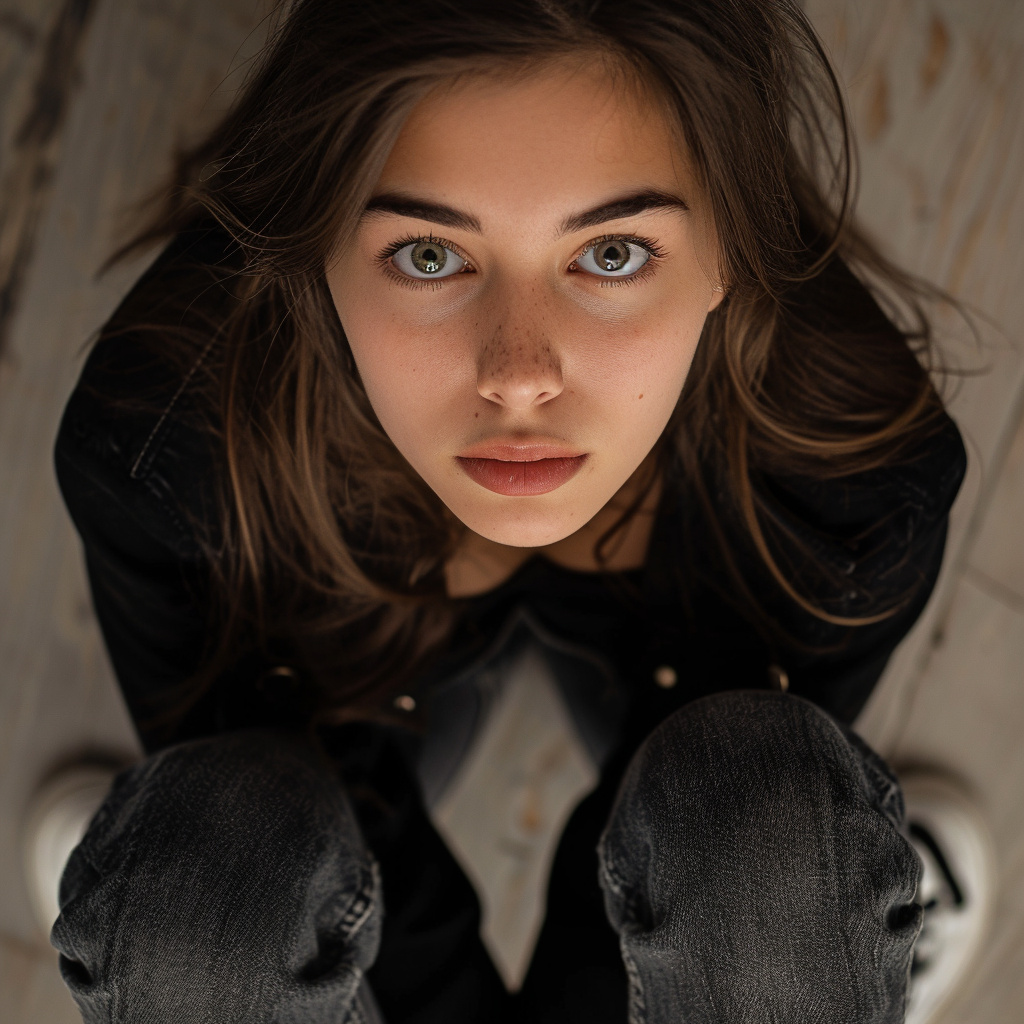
x,y
878,539
146,568
137,465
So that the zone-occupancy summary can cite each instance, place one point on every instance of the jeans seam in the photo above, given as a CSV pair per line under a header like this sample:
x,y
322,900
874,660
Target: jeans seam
x,y
355,1014
637,1003
612,879
886,791
365,903
616,883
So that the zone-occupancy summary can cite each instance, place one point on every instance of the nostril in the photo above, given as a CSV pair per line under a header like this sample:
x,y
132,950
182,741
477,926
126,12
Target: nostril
x,y
518,395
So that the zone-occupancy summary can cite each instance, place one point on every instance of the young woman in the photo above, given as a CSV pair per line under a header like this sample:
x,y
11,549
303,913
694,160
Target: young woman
x,y
481,325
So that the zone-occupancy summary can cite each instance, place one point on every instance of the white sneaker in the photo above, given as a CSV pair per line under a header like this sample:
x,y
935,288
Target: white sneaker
x,y
57,818
957,889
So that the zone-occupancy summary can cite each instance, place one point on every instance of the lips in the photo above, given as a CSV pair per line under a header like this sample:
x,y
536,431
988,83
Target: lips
x,y
516,477
521,466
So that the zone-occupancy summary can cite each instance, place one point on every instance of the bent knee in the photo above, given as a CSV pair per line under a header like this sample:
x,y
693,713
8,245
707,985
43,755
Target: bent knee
x,y
221,792
745,784
227,861
734,752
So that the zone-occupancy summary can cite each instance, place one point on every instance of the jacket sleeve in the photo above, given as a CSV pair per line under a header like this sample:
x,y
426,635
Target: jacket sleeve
x,y
138,467
146,569
140,489
877,541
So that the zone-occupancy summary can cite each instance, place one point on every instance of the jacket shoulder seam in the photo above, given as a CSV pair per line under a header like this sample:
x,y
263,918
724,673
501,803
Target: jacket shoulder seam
x,y
149,447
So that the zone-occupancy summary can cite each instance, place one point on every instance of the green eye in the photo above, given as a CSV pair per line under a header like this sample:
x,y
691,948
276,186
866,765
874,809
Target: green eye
x,y
427,258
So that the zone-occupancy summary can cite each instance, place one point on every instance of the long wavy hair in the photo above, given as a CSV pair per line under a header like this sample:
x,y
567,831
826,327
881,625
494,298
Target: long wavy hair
x,y
327,534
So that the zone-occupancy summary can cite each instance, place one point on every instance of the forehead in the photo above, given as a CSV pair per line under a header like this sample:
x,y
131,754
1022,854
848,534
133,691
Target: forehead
x,y
537,144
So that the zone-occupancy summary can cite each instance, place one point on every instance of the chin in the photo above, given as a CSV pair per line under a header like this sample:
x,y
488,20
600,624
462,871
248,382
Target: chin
x,y
523,530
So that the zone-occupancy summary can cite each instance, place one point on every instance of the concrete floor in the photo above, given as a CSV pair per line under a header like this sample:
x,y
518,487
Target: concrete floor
x,y
937,92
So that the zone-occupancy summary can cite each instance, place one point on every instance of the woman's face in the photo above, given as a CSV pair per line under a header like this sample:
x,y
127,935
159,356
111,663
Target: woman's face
x,y
525,293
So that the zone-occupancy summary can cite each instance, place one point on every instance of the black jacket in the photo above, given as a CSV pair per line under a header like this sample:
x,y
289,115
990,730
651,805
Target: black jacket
x,y
137,468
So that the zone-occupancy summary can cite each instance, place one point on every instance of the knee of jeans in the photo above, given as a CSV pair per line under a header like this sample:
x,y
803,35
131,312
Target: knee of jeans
x,y
219,791
239,854
737,787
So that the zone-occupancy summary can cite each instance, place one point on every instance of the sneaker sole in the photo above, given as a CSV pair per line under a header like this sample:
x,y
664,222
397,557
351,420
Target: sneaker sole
x,y
58,815
961,831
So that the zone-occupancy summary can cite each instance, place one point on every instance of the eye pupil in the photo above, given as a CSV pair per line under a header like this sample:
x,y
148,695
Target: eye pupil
x,y
612,255
428,257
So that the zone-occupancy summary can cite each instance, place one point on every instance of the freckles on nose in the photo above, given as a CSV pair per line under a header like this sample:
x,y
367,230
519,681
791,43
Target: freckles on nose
x,y
519,368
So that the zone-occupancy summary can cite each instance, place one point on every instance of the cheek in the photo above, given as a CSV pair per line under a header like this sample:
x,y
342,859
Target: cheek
x,y
412,372
638,368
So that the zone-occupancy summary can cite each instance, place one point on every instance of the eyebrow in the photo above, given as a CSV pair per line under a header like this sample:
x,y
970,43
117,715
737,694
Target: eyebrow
x,y
423,209
625,206
448,216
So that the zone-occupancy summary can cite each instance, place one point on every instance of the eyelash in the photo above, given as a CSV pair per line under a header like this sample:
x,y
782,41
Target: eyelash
x,y
383,260
656,251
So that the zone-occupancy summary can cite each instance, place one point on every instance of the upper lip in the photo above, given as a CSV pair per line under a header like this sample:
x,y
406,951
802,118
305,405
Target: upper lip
x,y
520,450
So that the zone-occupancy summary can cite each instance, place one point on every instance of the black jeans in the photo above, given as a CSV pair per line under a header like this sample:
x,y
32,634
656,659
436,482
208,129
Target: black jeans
x,y
753,870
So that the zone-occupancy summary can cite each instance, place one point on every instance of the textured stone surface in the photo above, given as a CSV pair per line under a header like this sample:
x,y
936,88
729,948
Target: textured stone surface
x,y
936,92
145,73
967,718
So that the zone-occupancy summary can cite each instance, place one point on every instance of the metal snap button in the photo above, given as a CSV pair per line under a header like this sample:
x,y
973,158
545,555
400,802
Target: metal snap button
x,y
278,683
665,676
405,702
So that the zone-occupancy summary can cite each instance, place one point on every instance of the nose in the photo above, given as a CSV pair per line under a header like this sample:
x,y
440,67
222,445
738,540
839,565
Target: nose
x,y
519,368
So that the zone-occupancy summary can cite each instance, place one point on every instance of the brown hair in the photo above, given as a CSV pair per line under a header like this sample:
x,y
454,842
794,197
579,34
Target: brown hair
x,y
327,532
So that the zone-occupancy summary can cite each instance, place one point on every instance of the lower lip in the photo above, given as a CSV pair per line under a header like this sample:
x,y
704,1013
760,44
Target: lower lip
x,y
518,479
